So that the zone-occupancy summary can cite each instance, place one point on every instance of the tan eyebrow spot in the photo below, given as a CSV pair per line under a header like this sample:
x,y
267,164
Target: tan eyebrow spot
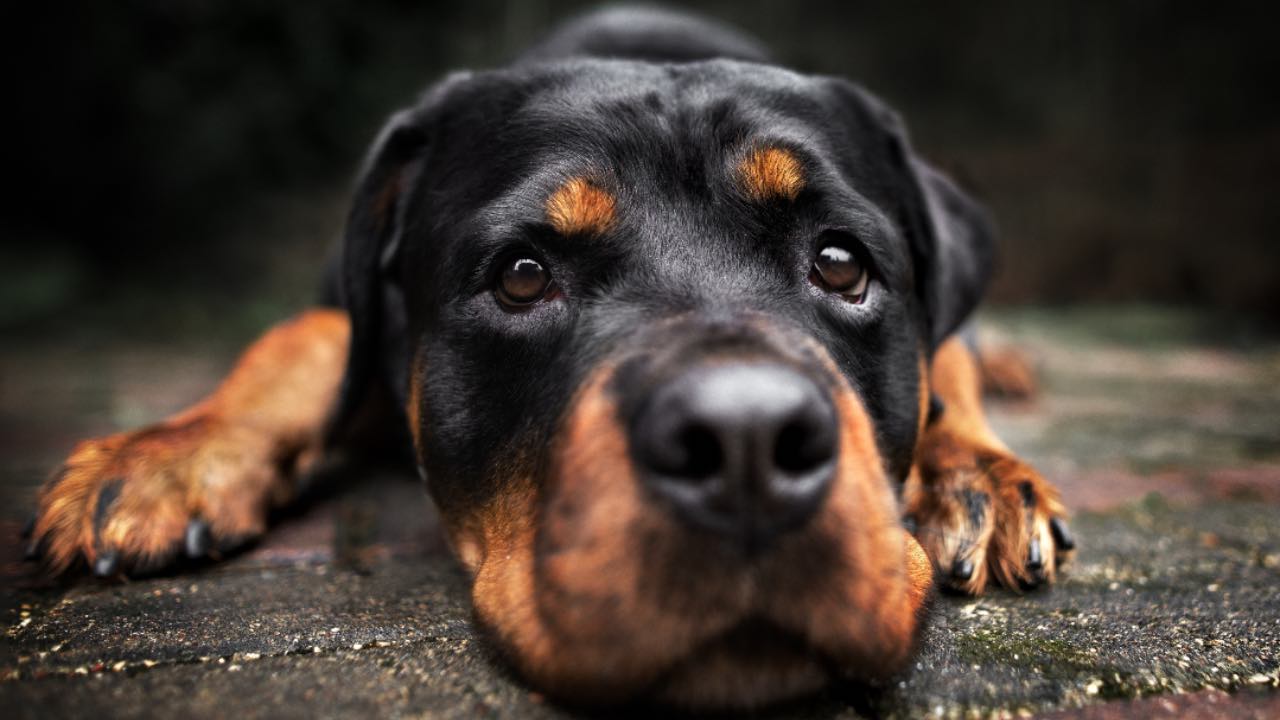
x,y
580,208
769,173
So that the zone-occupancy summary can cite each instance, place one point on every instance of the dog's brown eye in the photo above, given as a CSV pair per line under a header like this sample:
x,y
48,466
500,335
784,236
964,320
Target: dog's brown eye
x,y
838,269
524,281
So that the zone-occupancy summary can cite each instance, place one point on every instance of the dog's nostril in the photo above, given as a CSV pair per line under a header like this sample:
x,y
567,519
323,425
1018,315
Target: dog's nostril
x,y
680,450
803,445
703,456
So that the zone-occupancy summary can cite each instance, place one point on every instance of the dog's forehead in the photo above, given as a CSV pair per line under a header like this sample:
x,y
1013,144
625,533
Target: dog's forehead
x,y
585,90
637,120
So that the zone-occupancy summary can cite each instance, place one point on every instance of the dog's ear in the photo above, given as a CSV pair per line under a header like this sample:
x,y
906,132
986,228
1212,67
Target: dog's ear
x,y
961,256
369,262
951,236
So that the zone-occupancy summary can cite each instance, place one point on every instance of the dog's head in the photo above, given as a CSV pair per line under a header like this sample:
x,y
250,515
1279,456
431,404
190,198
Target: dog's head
x,y
659,333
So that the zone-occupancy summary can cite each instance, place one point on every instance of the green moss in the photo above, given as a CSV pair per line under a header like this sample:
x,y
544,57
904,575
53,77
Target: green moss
x,y
1055,660
1055,657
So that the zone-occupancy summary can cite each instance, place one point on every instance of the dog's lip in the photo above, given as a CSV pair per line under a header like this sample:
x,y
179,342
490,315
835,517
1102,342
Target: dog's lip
x,y
760,646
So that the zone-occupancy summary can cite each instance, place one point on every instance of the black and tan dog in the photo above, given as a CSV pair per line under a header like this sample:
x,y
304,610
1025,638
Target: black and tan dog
x,y
673,333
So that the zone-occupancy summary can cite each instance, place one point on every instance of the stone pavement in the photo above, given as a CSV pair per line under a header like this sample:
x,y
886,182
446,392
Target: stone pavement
x,y
1161,428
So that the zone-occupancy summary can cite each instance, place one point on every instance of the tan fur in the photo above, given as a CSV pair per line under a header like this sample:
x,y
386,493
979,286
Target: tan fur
x,y
771,173
580,208
960,454
226,460
598,592
865,609
413,411
923,394
919,573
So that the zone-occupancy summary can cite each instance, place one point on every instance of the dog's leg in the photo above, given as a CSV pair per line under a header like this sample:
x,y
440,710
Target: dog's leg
x,y
204,479
983,515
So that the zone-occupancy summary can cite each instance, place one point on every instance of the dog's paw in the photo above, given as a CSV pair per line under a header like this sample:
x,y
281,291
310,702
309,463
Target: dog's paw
x,y
135,502
996,521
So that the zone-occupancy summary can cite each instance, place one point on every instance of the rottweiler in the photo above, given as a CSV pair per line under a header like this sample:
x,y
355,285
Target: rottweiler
x,y
677,337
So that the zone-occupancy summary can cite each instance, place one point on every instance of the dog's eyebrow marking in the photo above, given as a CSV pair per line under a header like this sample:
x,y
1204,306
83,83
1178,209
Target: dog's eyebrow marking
x,y
771,173
580,208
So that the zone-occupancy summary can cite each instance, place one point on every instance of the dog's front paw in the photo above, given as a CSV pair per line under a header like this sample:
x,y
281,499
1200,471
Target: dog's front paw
x,y
993,520
137,501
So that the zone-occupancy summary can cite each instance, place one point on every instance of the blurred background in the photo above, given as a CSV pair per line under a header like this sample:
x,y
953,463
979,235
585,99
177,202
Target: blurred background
x,y
185,162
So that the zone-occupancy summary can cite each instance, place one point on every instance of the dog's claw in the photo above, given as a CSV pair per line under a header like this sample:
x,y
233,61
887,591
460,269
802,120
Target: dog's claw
x,y
1061,534
962,569
1035,559
107,564
32,551
1036,570
197,539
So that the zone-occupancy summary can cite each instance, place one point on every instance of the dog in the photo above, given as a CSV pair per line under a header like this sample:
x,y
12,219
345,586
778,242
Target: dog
x,y
677,338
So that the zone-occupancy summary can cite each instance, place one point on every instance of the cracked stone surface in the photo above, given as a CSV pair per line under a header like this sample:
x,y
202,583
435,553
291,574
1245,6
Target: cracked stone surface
x,y
1161,433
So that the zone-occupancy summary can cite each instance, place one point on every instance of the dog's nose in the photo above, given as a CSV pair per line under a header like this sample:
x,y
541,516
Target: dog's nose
x,y
747,450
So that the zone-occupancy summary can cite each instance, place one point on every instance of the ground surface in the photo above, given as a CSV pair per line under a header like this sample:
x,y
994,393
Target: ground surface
x,y
1161,428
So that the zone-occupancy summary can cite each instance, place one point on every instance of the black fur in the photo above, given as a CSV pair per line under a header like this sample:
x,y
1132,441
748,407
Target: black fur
x,y
661,126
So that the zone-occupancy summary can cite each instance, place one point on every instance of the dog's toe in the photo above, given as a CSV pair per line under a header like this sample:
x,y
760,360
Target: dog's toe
x,y
1025,553
998,523
137,502
954,523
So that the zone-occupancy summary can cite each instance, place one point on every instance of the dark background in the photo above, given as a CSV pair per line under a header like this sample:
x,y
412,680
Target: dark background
x,y
193,156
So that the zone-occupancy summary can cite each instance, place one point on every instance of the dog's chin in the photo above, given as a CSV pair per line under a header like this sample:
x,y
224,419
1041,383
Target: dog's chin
x,y
753,665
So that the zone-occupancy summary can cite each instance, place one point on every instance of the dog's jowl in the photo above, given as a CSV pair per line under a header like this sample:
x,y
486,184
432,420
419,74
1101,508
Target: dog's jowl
x,y
672,332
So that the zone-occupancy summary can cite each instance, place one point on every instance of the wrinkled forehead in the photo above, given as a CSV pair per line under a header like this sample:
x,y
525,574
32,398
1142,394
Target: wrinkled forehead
x,y
662,131
642,116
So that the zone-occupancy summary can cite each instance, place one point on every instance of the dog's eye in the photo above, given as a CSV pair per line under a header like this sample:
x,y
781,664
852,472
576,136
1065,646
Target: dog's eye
x,y
523,281
838,270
